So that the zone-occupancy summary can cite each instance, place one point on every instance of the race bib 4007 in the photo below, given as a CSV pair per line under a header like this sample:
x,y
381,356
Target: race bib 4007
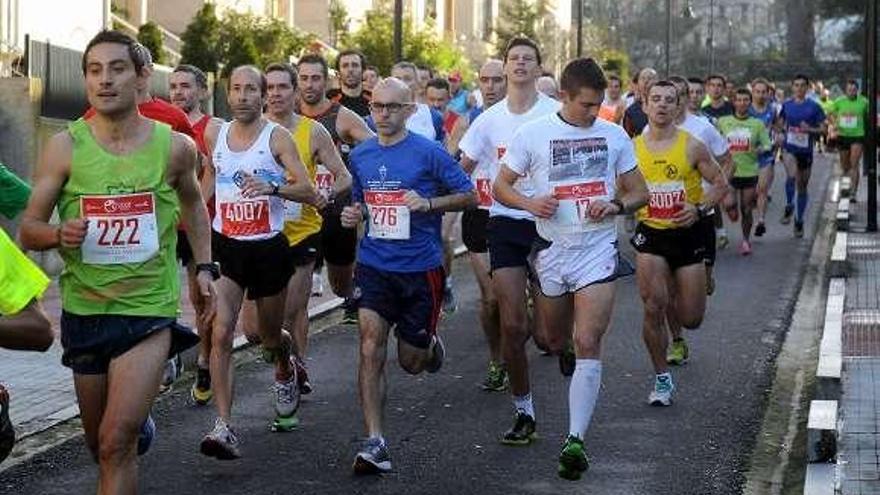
x,y
121,228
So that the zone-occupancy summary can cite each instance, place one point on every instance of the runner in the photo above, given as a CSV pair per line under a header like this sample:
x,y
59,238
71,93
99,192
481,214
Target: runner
x,y
120,182
302,222
634,118
827,140
696,95
766,111
350,66
577,163
458,94
473,226
669,242
547,85
614,105
437,96
370,77
848,114
188,87
748,138
424,74
254,167
347,129
510,232
800,121
23,323
398,181
718,106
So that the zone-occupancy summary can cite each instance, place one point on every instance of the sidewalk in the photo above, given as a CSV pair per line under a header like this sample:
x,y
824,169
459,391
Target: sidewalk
x,y
859,408
42,389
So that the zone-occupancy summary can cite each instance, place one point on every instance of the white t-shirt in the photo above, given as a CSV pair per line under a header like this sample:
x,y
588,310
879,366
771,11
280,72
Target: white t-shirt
x,y
576,165
703,130
488,137
421,122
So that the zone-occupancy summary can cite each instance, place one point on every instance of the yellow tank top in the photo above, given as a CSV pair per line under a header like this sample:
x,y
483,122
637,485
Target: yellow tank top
x,y
671,181
302,220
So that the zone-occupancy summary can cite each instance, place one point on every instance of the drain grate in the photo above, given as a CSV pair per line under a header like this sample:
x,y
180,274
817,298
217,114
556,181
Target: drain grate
x,y
861,333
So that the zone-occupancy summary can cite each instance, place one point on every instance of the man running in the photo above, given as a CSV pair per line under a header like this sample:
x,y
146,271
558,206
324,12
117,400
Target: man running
x,y
188,87
577,163
302,222
352,95
23,324
347,129
718,106
747,138
403,183
370,77
614,105
696,95
511,232
765,110
848,114
473,223
120,182
800,122
437,96
254,167
634,118
669,242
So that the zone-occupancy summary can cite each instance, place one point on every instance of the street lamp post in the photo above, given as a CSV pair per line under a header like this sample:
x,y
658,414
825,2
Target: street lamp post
x,y
398,30
871,89
668,36
711,40
579,42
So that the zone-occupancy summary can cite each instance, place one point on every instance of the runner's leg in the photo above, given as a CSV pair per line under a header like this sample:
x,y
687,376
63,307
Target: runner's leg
x,y
690,300
489,315
592,314
296,318
855,158
746,204
91,396
27,330
270,313
653,274
371,370
509,284
229,300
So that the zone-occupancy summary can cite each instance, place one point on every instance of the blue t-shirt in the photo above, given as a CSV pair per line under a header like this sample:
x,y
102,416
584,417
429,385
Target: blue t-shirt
x,y
767,117
415,163
793,114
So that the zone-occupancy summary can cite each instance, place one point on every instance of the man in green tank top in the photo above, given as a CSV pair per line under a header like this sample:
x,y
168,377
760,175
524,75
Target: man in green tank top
x,y
848,114
120,182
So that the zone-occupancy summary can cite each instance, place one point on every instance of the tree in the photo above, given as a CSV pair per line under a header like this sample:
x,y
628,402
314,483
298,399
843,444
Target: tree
x,y
518,18
201,39
249,39
339,22
151,37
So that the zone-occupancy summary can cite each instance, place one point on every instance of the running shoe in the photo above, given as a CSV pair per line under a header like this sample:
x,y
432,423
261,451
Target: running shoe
x,y
350,312
760,229
522,432
285,396
573,459
201,392
723,241
799,229
7,432
317,285
496,378
146,435
450,305
787,214
373,458
661,395
745,248
221,443
438,354
302,377
173,370
678,353
567,360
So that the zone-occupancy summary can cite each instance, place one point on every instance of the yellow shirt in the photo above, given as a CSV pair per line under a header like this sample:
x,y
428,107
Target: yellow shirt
x,y
302,220
671,181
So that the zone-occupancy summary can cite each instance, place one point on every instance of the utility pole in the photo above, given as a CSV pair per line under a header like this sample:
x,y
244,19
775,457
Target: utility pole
x,y
871,90
398,30
579,42
668,36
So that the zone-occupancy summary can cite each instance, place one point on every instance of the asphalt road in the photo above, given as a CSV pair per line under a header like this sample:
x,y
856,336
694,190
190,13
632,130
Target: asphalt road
x,y
443,430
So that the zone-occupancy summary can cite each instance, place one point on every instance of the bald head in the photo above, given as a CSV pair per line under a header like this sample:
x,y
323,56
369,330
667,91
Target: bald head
x,y
492,66
646,77
493,85
547,85
394,88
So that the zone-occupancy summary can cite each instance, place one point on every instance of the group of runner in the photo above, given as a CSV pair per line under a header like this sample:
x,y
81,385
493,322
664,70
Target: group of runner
x,y
301,173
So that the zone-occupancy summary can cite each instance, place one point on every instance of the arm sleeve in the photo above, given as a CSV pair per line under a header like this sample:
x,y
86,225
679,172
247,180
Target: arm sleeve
x,y
717,143
518,156
626,159
450,173
14,193
471,142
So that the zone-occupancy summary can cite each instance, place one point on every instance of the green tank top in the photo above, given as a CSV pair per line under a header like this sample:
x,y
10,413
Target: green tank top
x,y
127,264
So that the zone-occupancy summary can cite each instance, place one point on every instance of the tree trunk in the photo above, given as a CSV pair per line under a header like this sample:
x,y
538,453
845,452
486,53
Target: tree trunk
x,y
801,38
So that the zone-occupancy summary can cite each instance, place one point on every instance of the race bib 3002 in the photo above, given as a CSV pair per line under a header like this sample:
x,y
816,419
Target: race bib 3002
x,y
389,216
666,199
121,228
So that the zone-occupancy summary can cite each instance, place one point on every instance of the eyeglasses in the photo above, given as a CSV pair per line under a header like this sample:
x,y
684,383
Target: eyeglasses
x,y
377,107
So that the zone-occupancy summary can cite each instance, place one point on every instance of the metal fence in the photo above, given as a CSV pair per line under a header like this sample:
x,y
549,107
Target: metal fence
x,y
64,91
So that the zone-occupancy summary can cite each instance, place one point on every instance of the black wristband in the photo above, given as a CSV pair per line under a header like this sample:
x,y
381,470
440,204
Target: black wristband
x,y
213,268
619,204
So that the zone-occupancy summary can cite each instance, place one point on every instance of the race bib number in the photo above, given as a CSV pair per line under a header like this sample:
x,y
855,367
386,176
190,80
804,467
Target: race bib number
x,y
739,141
574,205
389,216
324,181
484,191
849,121
121,229
245,218
666,199
797,138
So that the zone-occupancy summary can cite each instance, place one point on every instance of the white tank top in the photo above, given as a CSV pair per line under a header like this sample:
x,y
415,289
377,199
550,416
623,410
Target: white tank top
x,y
237,217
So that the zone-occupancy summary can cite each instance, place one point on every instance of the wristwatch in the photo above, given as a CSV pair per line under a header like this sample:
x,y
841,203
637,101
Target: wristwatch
x,y
213,268
702,211
619,204
275,187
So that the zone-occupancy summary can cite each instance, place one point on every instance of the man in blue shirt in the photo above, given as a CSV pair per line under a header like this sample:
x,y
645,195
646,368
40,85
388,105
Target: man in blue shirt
x,y
800,121
402,184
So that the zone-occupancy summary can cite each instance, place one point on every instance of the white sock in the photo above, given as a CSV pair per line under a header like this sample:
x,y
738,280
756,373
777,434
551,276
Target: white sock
x,y
524,403
583,391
